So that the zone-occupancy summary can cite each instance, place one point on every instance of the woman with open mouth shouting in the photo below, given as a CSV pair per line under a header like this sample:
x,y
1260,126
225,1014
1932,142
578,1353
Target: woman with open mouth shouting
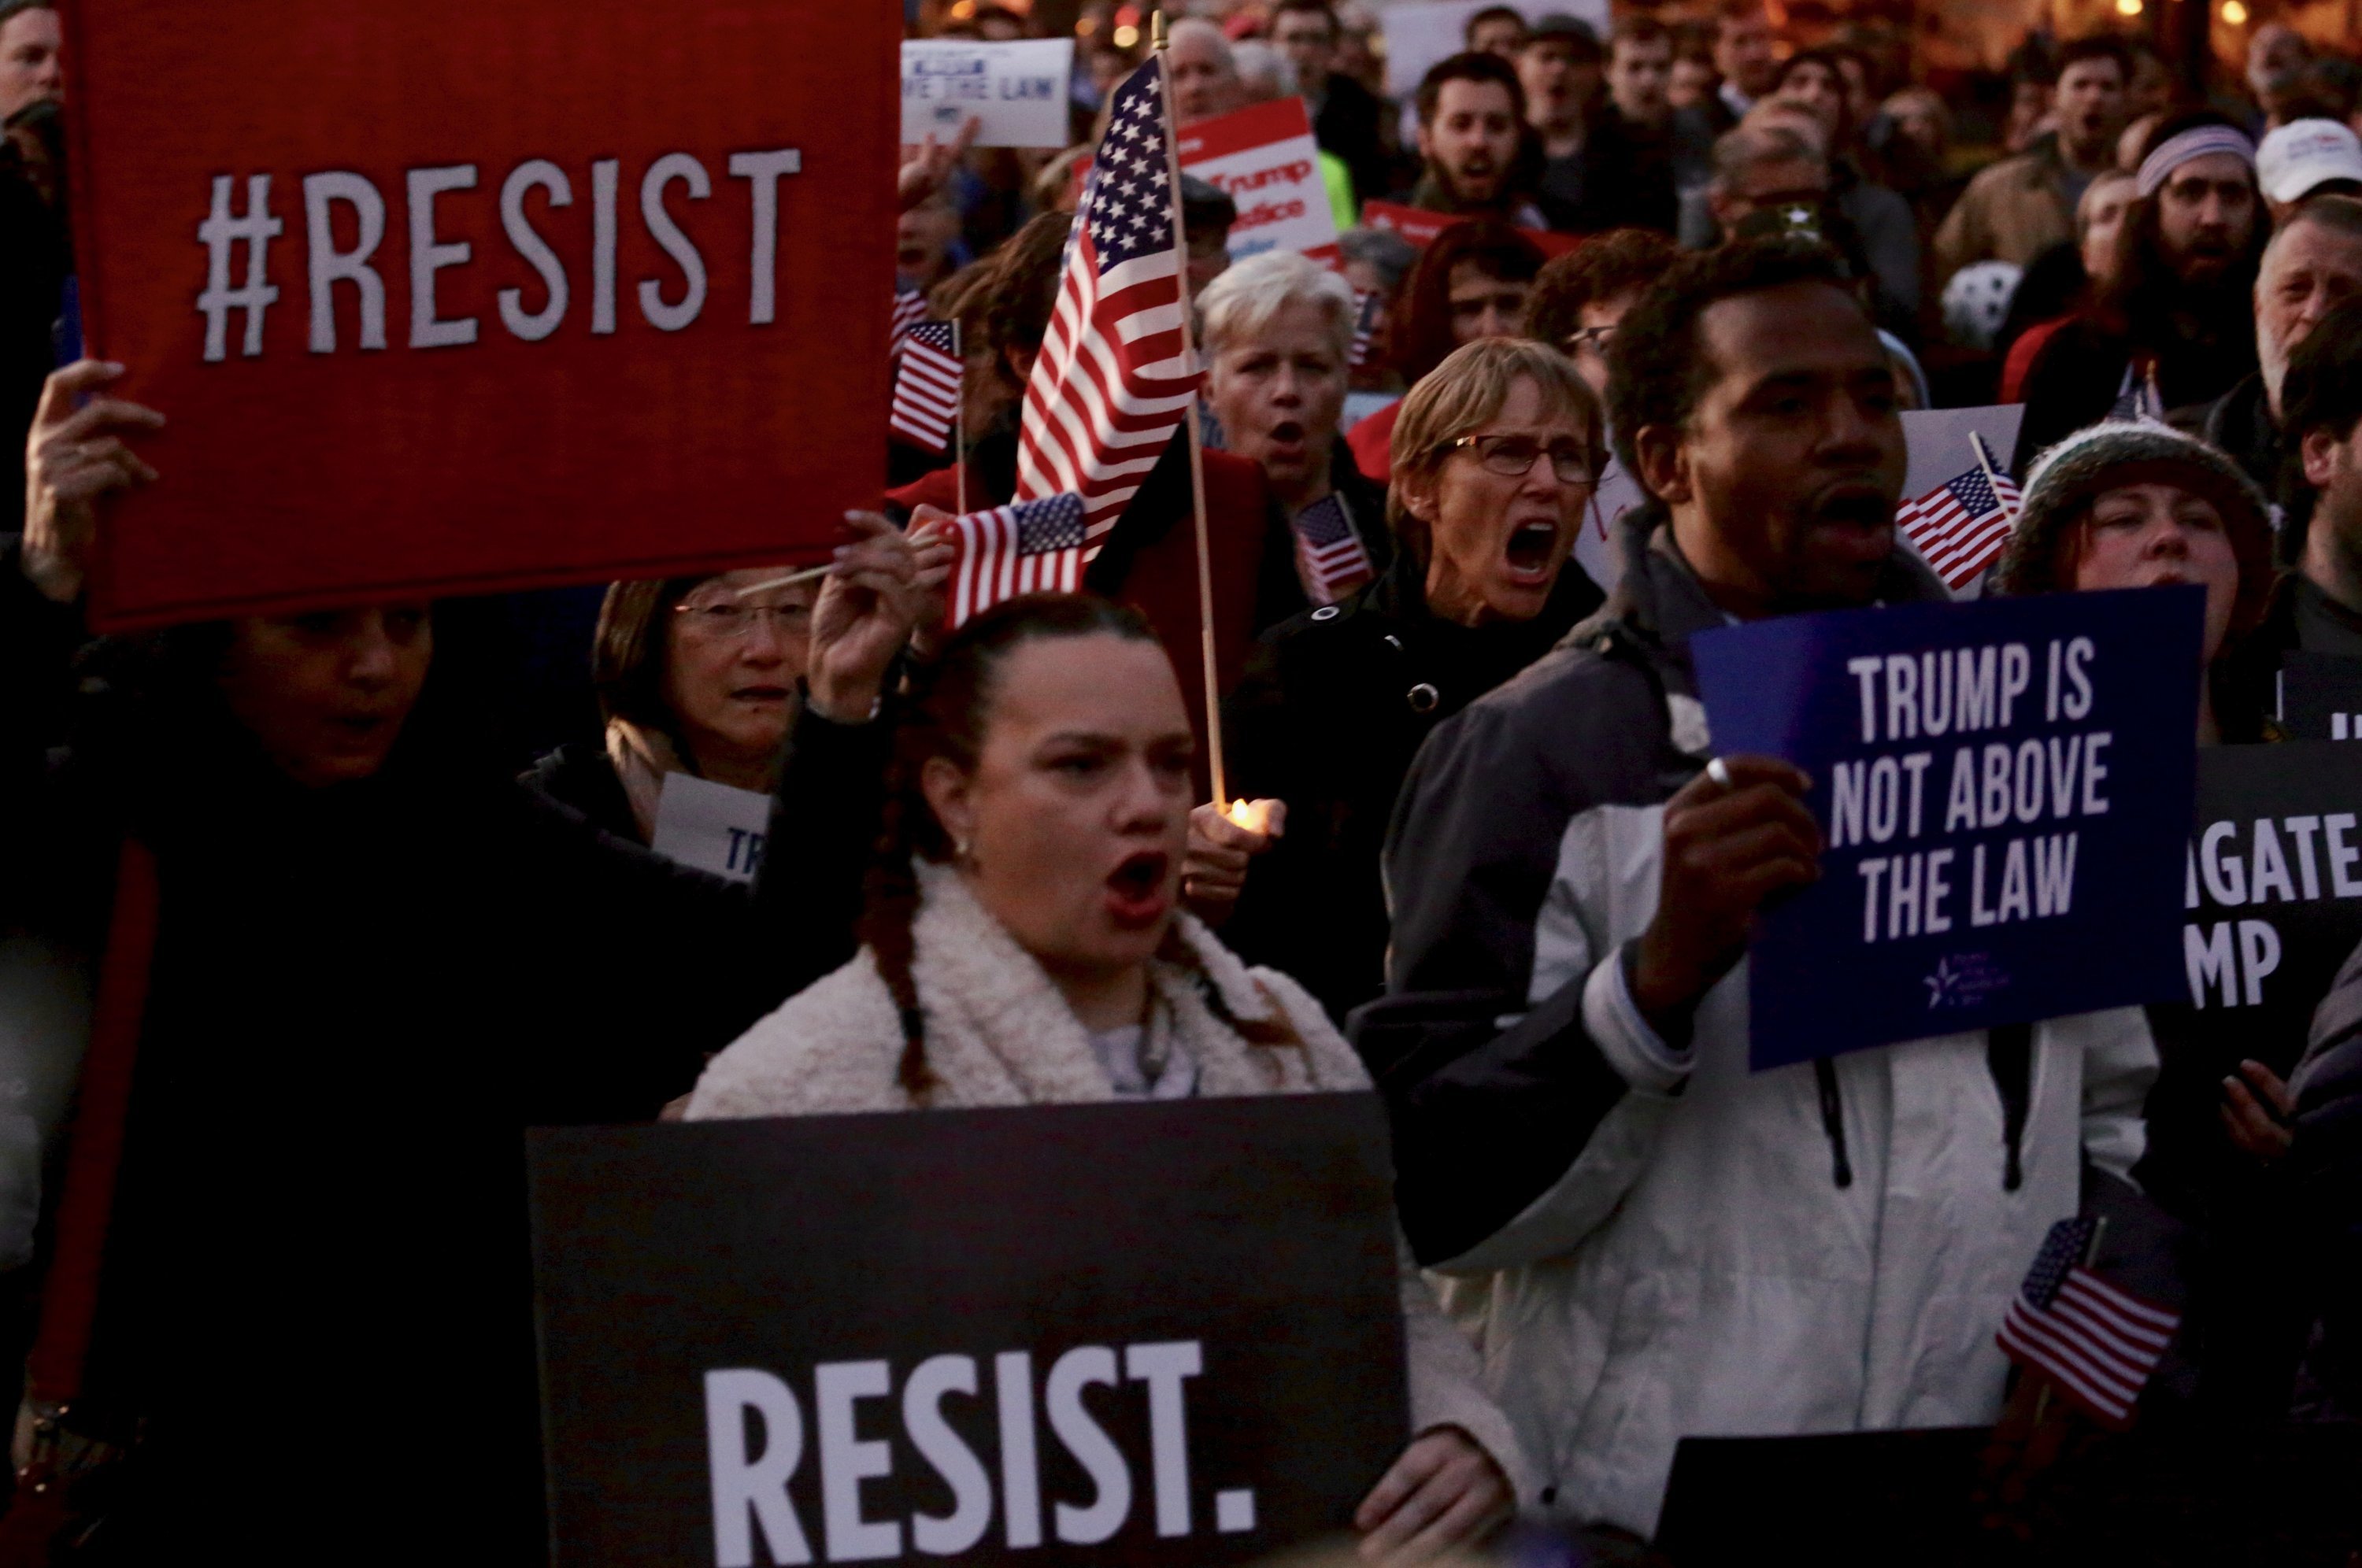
x,y
1496,455
1024,945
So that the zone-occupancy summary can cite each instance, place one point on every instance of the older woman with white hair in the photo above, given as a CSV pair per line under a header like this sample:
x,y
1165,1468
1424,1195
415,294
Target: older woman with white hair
x,y
1278,332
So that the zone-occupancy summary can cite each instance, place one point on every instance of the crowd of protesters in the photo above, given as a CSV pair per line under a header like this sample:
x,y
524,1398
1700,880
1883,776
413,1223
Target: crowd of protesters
x,y
400,904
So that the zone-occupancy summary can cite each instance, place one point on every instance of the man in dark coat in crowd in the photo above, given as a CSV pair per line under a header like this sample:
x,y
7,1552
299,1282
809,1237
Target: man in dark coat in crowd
x,y
1348,119
1471,141
2312,261
2179,314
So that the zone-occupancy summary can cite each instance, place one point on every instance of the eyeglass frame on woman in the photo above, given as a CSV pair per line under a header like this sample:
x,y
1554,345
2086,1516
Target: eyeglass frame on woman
x,y
1595,338
1554,450
727,620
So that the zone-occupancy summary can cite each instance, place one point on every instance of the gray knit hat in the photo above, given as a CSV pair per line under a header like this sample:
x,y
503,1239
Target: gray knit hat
x,y
2135,451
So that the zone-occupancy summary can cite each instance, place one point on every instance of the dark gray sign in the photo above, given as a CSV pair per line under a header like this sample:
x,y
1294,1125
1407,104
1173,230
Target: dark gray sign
x,y
1108,1335
2273,890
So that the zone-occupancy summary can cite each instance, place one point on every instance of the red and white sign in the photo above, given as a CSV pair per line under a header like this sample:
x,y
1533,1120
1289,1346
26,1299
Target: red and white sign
x,y
1266,157
448,297
1420,226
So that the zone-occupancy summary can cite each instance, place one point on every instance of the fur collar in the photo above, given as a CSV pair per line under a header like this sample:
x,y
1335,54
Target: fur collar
x,y
999,1032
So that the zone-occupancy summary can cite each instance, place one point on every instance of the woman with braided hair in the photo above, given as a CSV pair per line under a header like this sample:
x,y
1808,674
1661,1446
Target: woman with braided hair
x,y
1024,945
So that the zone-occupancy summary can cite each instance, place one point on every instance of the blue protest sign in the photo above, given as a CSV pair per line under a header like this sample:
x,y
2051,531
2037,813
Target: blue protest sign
x,y
2004,788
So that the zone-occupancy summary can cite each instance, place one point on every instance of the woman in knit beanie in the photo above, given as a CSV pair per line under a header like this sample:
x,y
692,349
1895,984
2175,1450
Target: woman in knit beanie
x,y
2133,503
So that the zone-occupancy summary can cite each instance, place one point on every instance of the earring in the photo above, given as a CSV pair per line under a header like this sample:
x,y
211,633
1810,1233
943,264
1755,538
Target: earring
x,y
960,853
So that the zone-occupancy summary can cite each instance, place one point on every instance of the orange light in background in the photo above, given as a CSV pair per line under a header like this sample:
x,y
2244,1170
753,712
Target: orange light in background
x,y
1126,35
2235,13
2128,7
962,10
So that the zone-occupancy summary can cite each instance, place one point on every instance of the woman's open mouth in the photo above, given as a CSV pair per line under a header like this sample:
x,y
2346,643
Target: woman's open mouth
x,y
1530,547
760,693
1137,891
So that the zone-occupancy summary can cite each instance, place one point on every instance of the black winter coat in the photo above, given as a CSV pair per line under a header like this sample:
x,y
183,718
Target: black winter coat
x,y
1331,712
316,1292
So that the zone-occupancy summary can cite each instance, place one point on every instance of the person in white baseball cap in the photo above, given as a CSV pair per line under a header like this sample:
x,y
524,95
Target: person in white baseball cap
x,y
2308,158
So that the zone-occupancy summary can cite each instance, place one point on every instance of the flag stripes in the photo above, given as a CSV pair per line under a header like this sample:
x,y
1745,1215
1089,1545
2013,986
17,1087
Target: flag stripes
x,y
1114,376
2099,1342
927,386
1028,546
1960,525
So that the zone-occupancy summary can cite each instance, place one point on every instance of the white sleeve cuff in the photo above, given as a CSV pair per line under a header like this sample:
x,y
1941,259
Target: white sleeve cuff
x,y
1624,1037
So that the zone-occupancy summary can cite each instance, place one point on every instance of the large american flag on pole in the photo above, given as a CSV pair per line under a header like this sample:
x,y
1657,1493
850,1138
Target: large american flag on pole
x,y
1960,525
927,385
2097,1342
1027,546
1115,376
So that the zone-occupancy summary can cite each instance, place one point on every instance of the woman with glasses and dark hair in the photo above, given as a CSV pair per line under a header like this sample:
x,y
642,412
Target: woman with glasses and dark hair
x,y
1496,455
706,676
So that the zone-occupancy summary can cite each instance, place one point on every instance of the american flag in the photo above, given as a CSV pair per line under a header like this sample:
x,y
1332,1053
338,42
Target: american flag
x,y
2136,394
2100,1343
1114,376
910,309
1963,524
1328,554
1368,304
927,386
1027,546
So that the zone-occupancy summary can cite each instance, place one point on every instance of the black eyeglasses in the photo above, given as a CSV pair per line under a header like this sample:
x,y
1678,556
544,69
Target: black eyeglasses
x,y
1512,456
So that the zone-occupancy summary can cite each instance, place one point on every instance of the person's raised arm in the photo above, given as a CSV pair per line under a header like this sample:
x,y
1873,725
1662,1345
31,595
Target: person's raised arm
x,y
74,454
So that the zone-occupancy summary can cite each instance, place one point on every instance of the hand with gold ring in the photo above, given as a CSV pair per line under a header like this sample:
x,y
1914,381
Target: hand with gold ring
x,y
1220,850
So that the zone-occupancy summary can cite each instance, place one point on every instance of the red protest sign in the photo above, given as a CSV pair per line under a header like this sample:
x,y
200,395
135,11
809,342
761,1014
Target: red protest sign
x,y
448,297
1264,157
1420,226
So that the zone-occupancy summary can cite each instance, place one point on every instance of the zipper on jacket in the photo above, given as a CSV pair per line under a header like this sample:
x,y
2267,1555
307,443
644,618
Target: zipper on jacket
x,y
1825,1071
2009,1055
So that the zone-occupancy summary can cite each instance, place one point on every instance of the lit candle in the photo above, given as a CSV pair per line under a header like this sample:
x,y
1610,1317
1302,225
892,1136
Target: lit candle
x,y
1252,816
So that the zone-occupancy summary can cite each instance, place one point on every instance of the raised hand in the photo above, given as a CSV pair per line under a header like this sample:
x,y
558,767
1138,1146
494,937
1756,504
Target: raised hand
x,y
868,605
1734,836
74,455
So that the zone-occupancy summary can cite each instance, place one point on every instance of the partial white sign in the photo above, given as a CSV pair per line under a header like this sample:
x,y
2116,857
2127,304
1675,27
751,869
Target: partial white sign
x,y
1420,32
1265,158
710,826
1018,90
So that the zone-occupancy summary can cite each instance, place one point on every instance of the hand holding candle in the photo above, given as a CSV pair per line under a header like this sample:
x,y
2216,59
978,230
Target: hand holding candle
x,y
1223,842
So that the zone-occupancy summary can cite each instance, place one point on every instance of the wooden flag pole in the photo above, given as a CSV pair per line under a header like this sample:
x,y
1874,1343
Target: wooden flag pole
x,y
1984,461
1197,445
959,422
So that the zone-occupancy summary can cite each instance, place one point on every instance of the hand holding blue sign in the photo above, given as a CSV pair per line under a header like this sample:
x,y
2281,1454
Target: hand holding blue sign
x,y
2004,789
1734,835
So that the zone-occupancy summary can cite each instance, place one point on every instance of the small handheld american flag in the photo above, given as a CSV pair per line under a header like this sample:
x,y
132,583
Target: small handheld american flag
x,y
927,385
1027,546
910,309
1368,305
1329,556
1962,525
2097,1342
